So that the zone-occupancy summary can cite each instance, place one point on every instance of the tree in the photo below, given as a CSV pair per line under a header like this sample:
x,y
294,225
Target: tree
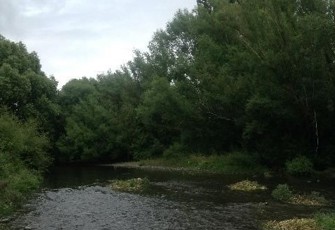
x,y
26,91
254,75
291,58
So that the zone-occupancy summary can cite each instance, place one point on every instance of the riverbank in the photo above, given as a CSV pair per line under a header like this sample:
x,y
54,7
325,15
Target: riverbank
x,y
154,165
236,163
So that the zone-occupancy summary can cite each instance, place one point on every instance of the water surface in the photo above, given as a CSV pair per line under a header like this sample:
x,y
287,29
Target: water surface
x,y
80,198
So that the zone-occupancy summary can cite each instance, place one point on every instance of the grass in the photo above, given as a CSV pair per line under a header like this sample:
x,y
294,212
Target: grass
x,y
131,185
247,186
232,163
282,193
325,221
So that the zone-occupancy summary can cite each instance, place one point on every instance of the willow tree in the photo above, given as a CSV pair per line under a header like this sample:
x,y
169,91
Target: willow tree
x,y
290,47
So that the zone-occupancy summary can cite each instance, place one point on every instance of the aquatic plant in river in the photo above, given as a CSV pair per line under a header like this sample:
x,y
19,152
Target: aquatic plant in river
x,y
247,185
131,185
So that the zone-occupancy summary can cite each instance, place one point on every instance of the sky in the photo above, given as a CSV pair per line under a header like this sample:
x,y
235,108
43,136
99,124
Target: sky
x,y
77,38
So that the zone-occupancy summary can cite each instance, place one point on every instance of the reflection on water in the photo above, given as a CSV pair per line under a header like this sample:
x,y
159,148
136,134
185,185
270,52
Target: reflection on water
x,y
79,198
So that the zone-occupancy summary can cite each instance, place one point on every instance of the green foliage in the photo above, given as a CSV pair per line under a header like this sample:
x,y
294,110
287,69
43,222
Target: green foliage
x,y
285,78
282,193
232,163
28,120
241,160
23,158
147,147
25,90
17,184
326,221
300,165
74,92
87,129
23,141
100,119
253,76
175,151
164,111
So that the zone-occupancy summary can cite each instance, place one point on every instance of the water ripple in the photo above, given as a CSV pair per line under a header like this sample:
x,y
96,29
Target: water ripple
x,y
97,207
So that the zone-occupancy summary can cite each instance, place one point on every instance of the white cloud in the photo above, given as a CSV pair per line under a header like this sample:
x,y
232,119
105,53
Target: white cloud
x,y
76,38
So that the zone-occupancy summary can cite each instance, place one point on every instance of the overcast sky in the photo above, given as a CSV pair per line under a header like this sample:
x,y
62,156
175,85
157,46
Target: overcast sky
x,y
76,38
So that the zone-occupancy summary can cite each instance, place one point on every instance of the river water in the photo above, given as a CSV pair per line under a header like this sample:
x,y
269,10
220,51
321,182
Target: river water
x,y
80,198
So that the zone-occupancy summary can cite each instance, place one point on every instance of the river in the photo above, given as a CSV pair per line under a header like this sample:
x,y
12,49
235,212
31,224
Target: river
x,y
78,197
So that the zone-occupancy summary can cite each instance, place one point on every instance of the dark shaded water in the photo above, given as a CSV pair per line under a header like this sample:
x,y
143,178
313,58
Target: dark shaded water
x,y
80,198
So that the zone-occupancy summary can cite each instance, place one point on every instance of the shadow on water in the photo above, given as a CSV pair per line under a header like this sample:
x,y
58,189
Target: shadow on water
x,y
78,197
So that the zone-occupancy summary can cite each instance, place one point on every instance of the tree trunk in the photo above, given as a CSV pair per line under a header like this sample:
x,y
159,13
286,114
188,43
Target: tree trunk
x,y
317,140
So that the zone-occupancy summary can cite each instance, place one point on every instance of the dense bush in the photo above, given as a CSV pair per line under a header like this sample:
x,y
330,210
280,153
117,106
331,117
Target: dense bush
x,y
176,151
300,165
17,181
23,158
23,141
282,193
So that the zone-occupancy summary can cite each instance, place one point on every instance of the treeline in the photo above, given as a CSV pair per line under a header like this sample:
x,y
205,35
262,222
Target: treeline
x,y
254,75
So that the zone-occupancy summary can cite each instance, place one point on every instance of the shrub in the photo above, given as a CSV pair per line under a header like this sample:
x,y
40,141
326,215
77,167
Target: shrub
x,y
142,151
326,221
237,162
176,150
300,165
22,160
17,181
22,140
282,193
